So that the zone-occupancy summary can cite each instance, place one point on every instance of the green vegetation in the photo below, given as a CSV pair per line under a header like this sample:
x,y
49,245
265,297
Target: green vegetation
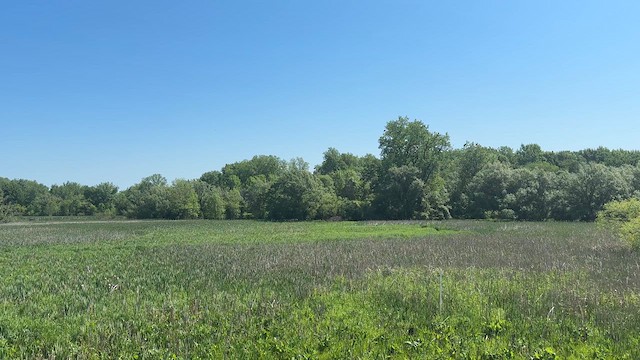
x,y
417,176
247,289
624,218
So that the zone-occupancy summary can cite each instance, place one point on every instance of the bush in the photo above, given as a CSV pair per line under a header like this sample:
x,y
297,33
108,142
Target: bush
x,y
5,213
630,232
504,214
624,218
619,211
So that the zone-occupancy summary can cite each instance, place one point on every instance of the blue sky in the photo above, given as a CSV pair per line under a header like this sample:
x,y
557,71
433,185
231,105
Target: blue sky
x,y
94,91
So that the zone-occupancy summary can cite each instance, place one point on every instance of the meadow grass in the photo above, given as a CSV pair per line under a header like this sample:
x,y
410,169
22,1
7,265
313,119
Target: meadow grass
x,y
333,290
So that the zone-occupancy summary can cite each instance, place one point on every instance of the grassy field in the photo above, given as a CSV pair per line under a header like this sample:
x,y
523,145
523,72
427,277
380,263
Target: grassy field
x,y
321,290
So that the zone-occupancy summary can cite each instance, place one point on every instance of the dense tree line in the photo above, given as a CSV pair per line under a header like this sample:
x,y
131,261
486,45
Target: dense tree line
x,y
417,176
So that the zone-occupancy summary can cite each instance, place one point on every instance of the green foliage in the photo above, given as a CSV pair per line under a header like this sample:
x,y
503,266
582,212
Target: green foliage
x,y
410,143
402,194
5,210
467,162
232,203
147,199
212,204
624,218
20,194
182,201
213,178
565,160
417,176
529,154
102,197
334,161
298,195
270,167
608,157
410,169
487,189
351,179
255,196
72,199
593,186
46,204
616,212
630,232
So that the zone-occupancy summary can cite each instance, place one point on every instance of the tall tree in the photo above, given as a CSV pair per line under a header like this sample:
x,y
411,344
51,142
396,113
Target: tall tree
x,y
487,190
146,200
593,186
255,194
182,201
210,198
352,179
5,210
410,143
411,160
102,196
466,163
529,154
300,195
266,165
20,194
73,200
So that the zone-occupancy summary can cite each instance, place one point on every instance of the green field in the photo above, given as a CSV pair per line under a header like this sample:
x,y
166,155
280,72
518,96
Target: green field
x,y
317,290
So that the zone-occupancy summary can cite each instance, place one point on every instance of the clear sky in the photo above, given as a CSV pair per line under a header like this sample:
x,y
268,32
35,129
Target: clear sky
x,y
94,91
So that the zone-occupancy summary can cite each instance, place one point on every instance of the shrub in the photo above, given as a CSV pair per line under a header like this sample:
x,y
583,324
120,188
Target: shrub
x,y
620,211
624,218
630,232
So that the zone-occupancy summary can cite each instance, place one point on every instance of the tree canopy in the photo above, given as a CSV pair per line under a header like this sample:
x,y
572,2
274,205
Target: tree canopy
x,y
417,175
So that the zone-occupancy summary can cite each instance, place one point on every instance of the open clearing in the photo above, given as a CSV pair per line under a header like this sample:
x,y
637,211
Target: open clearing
x,y
246,289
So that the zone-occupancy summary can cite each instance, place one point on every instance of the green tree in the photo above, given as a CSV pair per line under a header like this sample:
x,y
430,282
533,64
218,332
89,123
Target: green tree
x,y
102,196
614,158
5,210
435,202
488,189
529,194
212,178
565,160
146,200
349,184
334,161
466,162
261,165
529,154
210,198
45,204
233,203
352,180
634,180
73,201
412,157
402,197
593,186
299,195
20,194
255,196
182,201
506,155
410,143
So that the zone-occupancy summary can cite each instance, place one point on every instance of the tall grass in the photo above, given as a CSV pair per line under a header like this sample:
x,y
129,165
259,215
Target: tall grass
x,y
224,289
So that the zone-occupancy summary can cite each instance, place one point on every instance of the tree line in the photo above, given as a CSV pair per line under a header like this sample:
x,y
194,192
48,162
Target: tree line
x,y
418,175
